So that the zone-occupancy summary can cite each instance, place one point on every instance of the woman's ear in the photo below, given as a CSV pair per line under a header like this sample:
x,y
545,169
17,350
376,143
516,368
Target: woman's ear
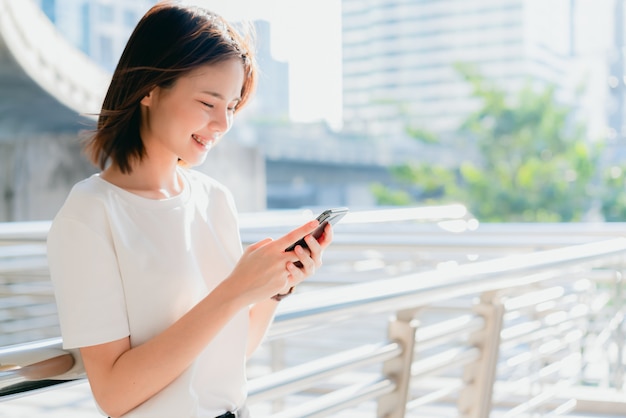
x,y
147,99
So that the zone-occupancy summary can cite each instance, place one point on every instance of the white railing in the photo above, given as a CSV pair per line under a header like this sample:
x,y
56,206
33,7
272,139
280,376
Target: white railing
x,y
399,323
532,310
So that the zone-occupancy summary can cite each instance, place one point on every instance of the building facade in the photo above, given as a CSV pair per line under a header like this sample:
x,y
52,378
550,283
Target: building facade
x,y
99,28
399,57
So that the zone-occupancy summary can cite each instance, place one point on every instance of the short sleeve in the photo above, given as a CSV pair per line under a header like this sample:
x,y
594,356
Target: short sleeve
x,y
87,285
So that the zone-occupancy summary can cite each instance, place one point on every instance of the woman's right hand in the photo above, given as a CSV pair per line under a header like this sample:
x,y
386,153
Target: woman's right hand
x,y
264,268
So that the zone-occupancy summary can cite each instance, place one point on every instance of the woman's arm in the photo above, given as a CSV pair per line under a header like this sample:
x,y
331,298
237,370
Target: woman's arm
x,y
122,377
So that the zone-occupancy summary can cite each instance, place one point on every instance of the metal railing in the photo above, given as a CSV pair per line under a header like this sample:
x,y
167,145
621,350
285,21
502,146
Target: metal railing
x,y
403,319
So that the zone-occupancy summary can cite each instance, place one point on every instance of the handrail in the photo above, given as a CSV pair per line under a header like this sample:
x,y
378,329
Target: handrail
x,y
390,295
21,245
299,377
38,230
427,231
425,288
24,365
463,279
29,231
404,296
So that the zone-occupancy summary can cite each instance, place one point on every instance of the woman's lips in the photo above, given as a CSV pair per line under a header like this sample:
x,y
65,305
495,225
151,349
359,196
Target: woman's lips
x,y
206,143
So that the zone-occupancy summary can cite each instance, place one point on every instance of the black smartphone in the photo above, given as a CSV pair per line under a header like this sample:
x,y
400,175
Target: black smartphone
x,y
329,216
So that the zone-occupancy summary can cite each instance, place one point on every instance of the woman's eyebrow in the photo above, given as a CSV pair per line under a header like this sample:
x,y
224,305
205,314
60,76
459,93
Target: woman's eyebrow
x,y
219,96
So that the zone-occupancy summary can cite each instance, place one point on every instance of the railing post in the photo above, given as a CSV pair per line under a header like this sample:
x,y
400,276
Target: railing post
x,y
277,362
479,377
617,368
401,330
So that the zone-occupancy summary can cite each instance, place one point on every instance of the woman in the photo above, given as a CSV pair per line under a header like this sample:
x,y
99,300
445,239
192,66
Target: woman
x,y
150,278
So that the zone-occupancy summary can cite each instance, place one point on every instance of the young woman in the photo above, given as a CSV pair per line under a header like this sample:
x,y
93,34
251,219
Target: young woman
x,y
150,278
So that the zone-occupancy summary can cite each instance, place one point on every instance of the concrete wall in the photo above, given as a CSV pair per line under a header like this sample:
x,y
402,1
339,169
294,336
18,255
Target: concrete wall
x,y
295,184
242,169
37,173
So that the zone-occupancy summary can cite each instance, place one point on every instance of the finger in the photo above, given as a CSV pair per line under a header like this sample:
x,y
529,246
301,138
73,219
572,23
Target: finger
x,y
297,254
306,262
296,273
327,236
315,250
297,233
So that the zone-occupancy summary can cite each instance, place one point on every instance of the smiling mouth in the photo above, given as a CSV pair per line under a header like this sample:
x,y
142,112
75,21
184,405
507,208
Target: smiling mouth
x,y
202,141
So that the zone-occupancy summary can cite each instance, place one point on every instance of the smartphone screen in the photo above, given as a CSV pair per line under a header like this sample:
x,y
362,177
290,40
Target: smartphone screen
x,y
329,216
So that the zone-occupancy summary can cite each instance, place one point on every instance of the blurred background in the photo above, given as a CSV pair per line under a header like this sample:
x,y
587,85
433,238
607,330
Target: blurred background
x,y
511,109
514,108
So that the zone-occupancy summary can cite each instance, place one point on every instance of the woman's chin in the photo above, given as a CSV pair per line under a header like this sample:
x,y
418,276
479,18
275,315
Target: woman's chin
x,y
192,162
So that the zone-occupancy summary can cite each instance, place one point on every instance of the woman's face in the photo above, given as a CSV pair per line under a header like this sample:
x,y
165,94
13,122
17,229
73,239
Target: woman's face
x,y
185,120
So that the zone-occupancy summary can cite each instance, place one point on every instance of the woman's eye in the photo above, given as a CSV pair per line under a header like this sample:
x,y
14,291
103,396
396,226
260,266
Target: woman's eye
x,y
230,109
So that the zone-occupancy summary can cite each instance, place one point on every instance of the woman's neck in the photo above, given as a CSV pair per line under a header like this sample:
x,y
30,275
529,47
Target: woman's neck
x,y
146,180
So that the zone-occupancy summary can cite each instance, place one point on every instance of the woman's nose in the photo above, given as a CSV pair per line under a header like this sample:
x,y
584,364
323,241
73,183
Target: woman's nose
x,y
221,122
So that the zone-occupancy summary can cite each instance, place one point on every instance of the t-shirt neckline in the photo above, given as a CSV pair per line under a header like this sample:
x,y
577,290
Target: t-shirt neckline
x,y
164,203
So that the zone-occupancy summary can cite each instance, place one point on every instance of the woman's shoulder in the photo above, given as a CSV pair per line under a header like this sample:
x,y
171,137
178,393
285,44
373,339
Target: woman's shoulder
x,y
203,185
86,199
90,190
84,209
199,179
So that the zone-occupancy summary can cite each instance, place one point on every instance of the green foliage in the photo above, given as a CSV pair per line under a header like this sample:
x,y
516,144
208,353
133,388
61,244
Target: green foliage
x,y
388,197
614,197
534,163
422,135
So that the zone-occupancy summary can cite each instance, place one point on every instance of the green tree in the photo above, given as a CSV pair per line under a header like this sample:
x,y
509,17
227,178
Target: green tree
x,y
613,201
533,162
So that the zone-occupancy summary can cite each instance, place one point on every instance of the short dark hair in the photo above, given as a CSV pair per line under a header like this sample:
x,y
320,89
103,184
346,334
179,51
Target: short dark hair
x,y
170,40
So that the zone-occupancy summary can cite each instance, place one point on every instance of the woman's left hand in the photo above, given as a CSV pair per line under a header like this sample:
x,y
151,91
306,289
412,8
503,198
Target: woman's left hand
x,y
310,259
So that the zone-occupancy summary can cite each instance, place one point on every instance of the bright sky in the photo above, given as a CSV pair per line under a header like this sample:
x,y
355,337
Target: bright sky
x,y
307,35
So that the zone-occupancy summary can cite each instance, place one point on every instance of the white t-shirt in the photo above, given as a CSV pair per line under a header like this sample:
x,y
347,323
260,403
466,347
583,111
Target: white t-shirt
x,y
123,265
